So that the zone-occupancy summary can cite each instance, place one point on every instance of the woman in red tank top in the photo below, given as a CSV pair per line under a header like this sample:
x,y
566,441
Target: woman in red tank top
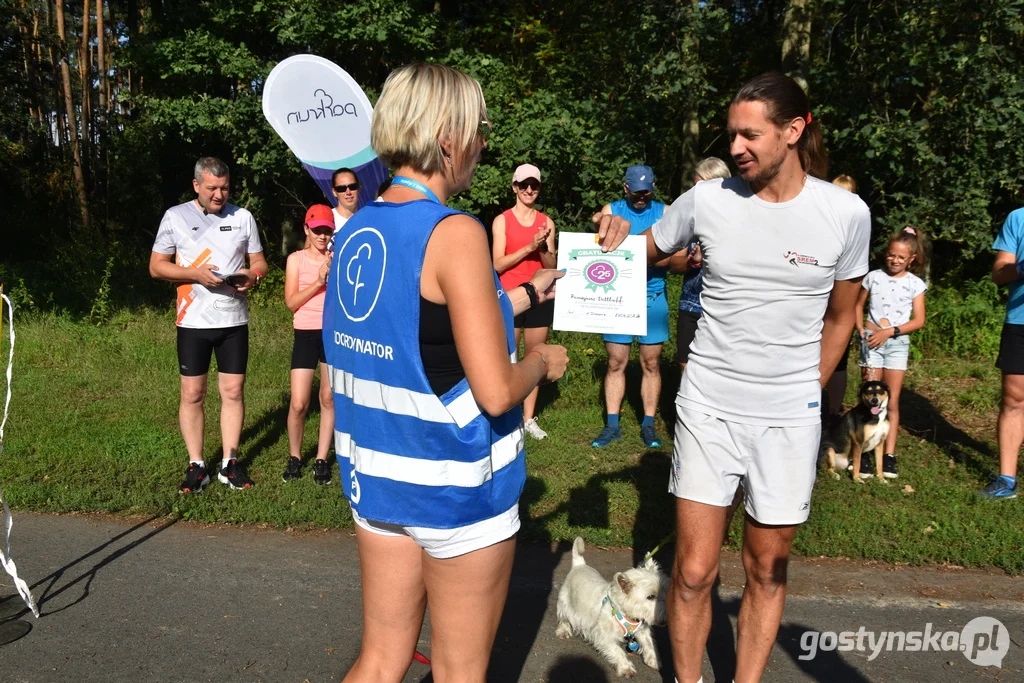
x,y
524,242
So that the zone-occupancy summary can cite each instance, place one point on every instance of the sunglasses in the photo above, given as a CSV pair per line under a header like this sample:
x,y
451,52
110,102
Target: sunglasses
x,y
341,188
323,231
642,194
483,129
529,185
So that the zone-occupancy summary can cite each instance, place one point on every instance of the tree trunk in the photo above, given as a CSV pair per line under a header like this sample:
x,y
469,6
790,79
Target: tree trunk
x,y
37,56
69,107
691,126
60,125
101,62
85,80
796,40
26,57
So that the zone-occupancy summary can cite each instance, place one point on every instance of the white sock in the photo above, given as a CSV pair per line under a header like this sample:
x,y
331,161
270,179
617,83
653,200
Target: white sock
x,y
224,462
699,680
197,462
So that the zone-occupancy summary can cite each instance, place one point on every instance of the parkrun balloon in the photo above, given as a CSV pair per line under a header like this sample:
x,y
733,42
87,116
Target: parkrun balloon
x,y
323,116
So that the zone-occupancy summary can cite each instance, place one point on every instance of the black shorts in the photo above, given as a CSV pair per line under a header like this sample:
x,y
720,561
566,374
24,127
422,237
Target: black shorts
x,y
686,328
1011,350
541,316
308,349
195,346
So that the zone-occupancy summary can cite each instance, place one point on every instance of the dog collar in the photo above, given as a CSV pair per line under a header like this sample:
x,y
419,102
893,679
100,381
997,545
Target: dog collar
x,y
629,627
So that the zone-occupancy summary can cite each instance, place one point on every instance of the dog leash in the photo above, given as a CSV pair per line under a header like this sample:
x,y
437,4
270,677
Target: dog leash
x,y
658,547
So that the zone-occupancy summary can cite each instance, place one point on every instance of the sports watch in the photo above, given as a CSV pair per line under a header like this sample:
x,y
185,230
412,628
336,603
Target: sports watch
x,y
896,332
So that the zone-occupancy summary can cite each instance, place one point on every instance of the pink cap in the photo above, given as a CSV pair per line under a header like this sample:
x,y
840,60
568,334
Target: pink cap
x,y
320,216
526,171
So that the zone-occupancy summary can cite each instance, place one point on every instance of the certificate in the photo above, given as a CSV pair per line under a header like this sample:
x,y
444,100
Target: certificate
x,y
601,292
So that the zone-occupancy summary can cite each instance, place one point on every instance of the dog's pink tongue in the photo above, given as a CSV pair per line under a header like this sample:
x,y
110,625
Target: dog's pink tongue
x,y
875,410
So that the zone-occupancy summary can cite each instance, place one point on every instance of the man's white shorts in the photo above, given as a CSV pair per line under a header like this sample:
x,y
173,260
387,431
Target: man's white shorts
x,y
776,465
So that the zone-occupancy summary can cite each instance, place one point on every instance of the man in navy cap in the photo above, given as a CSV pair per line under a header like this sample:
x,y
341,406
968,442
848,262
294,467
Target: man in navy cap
x,y
642,211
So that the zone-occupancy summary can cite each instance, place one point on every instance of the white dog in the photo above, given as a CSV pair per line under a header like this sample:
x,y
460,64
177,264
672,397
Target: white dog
x,y
614,616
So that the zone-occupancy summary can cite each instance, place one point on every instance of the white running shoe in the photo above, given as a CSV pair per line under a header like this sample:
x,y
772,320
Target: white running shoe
x,y
533,429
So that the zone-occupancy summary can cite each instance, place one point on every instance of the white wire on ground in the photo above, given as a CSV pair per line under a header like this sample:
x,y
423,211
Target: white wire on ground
x,y
5,552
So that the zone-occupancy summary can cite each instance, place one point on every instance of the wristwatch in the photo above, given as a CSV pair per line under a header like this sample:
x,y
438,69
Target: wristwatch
x,y
896,332
531,292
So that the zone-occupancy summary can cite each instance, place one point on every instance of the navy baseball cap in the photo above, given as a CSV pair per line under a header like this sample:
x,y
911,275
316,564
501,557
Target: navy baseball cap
x,y
639,178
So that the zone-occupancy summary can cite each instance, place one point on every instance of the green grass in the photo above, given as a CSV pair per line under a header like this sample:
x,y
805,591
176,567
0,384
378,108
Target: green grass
x,y
94,428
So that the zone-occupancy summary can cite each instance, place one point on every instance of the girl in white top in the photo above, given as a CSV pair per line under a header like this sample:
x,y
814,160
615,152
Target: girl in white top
x,y
895,295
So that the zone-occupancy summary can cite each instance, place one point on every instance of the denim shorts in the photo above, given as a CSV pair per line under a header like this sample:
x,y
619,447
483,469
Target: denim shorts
x,y
892,355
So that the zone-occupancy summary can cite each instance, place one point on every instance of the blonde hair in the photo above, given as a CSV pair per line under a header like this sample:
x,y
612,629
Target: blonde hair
x,y
712,167
420,106
846,182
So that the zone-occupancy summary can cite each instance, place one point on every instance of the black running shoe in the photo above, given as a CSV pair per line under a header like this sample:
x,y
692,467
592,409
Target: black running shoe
x,y
866,471
321,472
889,470
293,470
195,479
233,476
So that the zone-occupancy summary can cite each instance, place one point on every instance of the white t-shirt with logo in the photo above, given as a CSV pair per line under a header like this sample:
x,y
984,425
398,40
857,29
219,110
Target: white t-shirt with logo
x,y
768,273
892,298
197,238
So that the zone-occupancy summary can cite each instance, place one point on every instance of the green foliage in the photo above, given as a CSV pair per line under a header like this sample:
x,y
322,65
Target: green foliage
x,y
963,321
920,102
100,311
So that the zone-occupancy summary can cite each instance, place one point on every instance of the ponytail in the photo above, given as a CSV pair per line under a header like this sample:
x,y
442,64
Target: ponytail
x,y
813,157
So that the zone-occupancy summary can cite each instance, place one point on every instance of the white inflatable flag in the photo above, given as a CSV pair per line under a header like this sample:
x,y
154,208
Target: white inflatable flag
x,y
324,117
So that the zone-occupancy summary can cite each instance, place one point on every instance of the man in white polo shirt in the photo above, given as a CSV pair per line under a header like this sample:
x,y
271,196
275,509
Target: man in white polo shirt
x,y
202,245
784,253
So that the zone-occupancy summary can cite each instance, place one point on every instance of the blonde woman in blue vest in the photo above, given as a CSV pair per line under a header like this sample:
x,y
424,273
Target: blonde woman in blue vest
x,y
428,428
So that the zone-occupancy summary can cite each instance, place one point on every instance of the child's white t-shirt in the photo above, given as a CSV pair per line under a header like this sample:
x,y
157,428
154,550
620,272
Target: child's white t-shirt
x,y
891,298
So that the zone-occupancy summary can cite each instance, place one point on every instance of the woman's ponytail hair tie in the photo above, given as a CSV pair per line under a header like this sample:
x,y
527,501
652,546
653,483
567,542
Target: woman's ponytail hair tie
x,y
910,230
809,118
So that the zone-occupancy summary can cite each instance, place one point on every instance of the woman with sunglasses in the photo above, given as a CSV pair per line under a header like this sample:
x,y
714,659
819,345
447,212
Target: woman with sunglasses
x,y
524,242
428,425
345,188
305,277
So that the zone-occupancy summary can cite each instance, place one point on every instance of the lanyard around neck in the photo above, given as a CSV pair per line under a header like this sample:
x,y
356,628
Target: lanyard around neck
x,y
415,185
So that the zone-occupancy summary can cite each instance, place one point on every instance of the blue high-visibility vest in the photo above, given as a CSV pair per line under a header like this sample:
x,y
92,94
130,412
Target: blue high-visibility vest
x,y
408,456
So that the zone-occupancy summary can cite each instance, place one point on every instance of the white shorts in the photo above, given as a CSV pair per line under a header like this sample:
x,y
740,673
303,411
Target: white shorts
x,y
443,544
776,466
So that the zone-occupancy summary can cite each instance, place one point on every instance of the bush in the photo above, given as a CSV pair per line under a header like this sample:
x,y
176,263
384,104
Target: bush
x,y
964,321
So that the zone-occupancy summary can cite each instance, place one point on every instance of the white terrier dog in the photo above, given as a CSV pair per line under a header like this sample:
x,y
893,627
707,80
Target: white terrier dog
x,y
613,616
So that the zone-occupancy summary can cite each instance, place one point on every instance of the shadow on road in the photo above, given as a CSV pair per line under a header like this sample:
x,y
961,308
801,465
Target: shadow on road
x,y
50,583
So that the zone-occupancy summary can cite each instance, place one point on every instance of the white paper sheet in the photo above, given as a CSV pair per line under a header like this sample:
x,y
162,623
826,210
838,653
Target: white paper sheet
x,y
604,293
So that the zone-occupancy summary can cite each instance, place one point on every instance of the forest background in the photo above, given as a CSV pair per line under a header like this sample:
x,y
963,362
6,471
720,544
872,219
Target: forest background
x,y
108,103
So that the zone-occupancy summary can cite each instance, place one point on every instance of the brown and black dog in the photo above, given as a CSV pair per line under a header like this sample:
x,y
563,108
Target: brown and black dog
x,y
862,428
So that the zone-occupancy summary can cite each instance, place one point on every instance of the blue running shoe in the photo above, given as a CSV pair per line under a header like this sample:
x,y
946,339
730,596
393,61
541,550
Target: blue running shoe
x,y
607,435
650,436
998,489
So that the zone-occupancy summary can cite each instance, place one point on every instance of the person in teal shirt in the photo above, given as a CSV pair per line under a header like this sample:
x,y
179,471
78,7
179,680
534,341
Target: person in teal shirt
x,y
642,211
1008,269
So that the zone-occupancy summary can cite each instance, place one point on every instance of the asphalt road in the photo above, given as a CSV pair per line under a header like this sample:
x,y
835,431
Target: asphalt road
x,y
165,601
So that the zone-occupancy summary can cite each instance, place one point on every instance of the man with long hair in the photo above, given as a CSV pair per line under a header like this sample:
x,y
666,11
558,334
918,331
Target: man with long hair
x,y
784,254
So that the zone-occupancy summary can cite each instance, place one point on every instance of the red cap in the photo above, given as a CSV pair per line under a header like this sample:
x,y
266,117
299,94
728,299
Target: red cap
x,y
320,215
